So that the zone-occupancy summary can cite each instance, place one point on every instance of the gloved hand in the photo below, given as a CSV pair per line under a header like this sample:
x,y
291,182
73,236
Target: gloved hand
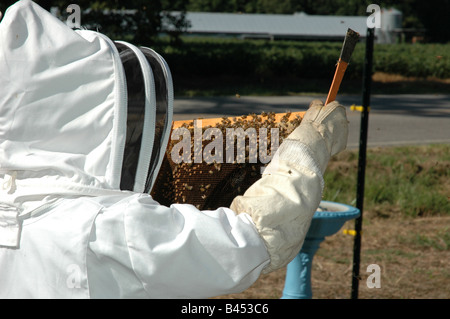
x,y
283,202
324,129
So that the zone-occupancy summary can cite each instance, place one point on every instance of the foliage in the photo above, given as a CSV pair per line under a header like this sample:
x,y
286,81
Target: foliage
x,y
265,60
418,60
140,24
259,59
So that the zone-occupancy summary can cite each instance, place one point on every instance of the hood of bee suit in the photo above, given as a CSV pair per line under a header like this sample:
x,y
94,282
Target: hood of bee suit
x,y
63,112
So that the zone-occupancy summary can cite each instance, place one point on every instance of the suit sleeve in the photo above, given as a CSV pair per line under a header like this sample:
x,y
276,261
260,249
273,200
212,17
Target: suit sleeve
x,y
283,202
181,252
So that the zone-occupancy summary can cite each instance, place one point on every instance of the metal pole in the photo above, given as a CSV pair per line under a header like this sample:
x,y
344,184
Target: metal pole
x,y
367,78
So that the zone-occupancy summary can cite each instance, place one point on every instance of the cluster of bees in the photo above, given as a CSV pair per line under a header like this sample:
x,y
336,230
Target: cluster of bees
x,y
211,184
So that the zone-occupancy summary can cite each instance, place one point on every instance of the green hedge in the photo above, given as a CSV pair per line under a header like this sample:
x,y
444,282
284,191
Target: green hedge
x,y
269,59
418,60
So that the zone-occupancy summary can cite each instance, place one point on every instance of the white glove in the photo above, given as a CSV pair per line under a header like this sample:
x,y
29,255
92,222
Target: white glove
x,y
282,203
324,129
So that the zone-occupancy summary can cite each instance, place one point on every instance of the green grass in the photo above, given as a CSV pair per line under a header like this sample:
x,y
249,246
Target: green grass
x,y
402,180
439,241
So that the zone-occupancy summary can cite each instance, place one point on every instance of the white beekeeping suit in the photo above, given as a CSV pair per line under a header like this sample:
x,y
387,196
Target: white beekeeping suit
x,y
76,220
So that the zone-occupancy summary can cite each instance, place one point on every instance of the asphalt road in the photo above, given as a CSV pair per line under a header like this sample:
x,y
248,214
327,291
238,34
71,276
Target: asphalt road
x,y
394,120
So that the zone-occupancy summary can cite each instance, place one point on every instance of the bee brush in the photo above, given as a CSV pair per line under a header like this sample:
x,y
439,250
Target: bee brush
x,y
351,38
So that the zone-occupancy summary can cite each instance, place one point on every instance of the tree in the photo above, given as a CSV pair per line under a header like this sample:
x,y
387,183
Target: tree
x,y
138,21
434,16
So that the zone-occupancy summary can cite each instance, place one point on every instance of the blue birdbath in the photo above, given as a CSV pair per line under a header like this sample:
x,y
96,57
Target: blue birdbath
x,y
327,220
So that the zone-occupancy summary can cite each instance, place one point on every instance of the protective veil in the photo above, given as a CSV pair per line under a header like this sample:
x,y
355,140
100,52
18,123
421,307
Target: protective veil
x,y
84,123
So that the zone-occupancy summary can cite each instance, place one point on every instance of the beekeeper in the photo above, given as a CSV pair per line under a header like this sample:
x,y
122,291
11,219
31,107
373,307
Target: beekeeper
x,y
78,153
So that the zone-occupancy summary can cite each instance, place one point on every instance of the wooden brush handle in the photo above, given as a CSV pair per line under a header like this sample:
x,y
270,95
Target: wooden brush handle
x,y
351,38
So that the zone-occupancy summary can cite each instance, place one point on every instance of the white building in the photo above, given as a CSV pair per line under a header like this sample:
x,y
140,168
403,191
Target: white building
x,y
299,26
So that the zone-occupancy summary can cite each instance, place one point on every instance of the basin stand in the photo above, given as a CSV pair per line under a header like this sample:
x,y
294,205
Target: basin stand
x,y
298,275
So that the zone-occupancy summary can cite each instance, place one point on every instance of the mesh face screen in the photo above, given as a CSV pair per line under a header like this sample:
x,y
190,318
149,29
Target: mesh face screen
x,y
135,116
161,110
216,179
